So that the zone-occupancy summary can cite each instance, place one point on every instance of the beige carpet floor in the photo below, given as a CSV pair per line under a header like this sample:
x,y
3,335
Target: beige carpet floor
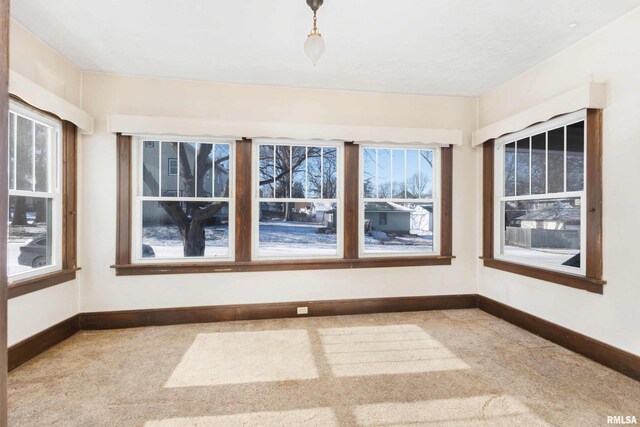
x,y
457,367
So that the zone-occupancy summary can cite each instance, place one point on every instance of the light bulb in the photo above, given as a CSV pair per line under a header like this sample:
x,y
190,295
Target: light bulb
x,y
314,47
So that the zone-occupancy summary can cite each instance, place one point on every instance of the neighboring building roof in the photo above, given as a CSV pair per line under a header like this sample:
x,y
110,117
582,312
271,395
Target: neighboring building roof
x,y
558,212
385,207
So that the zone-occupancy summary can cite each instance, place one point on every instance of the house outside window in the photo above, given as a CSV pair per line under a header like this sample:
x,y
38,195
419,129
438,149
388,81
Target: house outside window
x,y
183,206
297,209
35,203
399,204
540,207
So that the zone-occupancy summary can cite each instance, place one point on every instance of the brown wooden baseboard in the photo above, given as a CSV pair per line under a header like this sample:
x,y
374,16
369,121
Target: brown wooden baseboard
x,y
31,347
173,316
612,357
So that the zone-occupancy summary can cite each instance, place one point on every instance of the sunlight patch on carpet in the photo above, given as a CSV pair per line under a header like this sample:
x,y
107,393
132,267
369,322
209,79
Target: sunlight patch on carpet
x,y
379,350
245,357
489,410
301,417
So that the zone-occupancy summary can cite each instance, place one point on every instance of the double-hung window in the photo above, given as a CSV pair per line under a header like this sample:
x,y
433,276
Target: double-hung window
x,y
399,210
540,204
183,200
35,205
297,209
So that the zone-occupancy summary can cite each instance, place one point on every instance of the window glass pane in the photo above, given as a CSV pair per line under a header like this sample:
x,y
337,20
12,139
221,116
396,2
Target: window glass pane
x,y
12,151
426,173
298,229
205,227
169,169
299,168
24,154
369,180
539,164
556,160
150,166
266,171
41,154
187,169
29,234
510,169
398,187
204,159
314,176
329,172
522,156
384,173
398,227
575,157
413,175
222,171
545,231
283,166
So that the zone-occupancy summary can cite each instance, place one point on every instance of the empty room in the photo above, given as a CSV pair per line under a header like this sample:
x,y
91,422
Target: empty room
x,y
319,212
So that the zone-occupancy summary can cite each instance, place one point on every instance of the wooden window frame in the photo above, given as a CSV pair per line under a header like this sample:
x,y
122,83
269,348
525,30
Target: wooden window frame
x,y
69,170
592,281
243,224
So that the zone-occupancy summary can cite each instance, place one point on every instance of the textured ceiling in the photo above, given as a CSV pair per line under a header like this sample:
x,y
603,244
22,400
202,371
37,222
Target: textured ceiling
x,y
433,47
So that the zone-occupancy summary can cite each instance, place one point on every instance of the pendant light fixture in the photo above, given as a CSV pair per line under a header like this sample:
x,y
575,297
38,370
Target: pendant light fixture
x,y
314,45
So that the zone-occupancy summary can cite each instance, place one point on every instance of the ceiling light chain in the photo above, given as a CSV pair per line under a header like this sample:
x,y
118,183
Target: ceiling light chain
x,y
314,45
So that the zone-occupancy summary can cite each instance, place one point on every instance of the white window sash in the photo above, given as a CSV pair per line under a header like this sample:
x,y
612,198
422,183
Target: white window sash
x,y
54,183
500,199
138,198
434,199
256,199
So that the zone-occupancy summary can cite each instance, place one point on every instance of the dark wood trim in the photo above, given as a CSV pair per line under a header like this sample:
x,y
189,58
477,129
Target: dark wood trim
x,y
446,201
619,360
319,264
592,281
172,316
594,193
69,194
69,214
605,354
43,281
29,348
243,201
571,280
487,198
351,202
123,205
4,199
243,227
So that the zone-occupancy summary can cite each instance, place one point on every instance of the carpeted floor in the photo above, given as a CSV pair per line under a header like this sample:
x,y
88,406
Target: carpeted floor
x,y
457,367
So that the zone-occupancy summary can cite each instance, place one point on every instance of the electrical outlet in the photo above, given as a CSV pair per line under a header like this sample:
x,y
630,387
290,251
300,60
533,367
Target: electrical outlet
x,y
303,310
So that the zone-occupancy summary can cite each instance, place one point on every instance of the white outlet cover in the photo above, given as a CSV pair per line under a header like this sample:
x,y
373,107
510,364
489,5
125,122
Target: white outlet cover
x,y
303,310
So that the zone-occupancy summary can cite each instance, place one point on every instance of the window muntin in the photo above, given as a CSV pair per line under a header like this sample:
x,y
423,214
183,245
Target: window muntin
x,y
297,209
183,206
540,197
399,210
35,207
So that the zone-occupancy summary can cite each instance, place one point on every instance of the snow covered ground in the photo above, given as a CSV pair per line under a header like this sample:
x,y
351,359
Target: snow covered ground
x,y
413,243
552,256
166,242
292,238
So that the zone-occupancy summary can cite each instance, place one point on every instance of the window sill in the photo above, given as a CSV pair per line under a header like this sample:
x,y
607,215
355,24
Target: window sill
x,y
579,282
33,284
179,268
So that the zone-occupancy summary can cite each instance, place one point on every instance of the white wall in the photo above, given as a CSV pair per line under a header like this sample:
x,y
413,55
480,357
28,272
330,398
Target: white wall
x,y
29,56
611,55
106,94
